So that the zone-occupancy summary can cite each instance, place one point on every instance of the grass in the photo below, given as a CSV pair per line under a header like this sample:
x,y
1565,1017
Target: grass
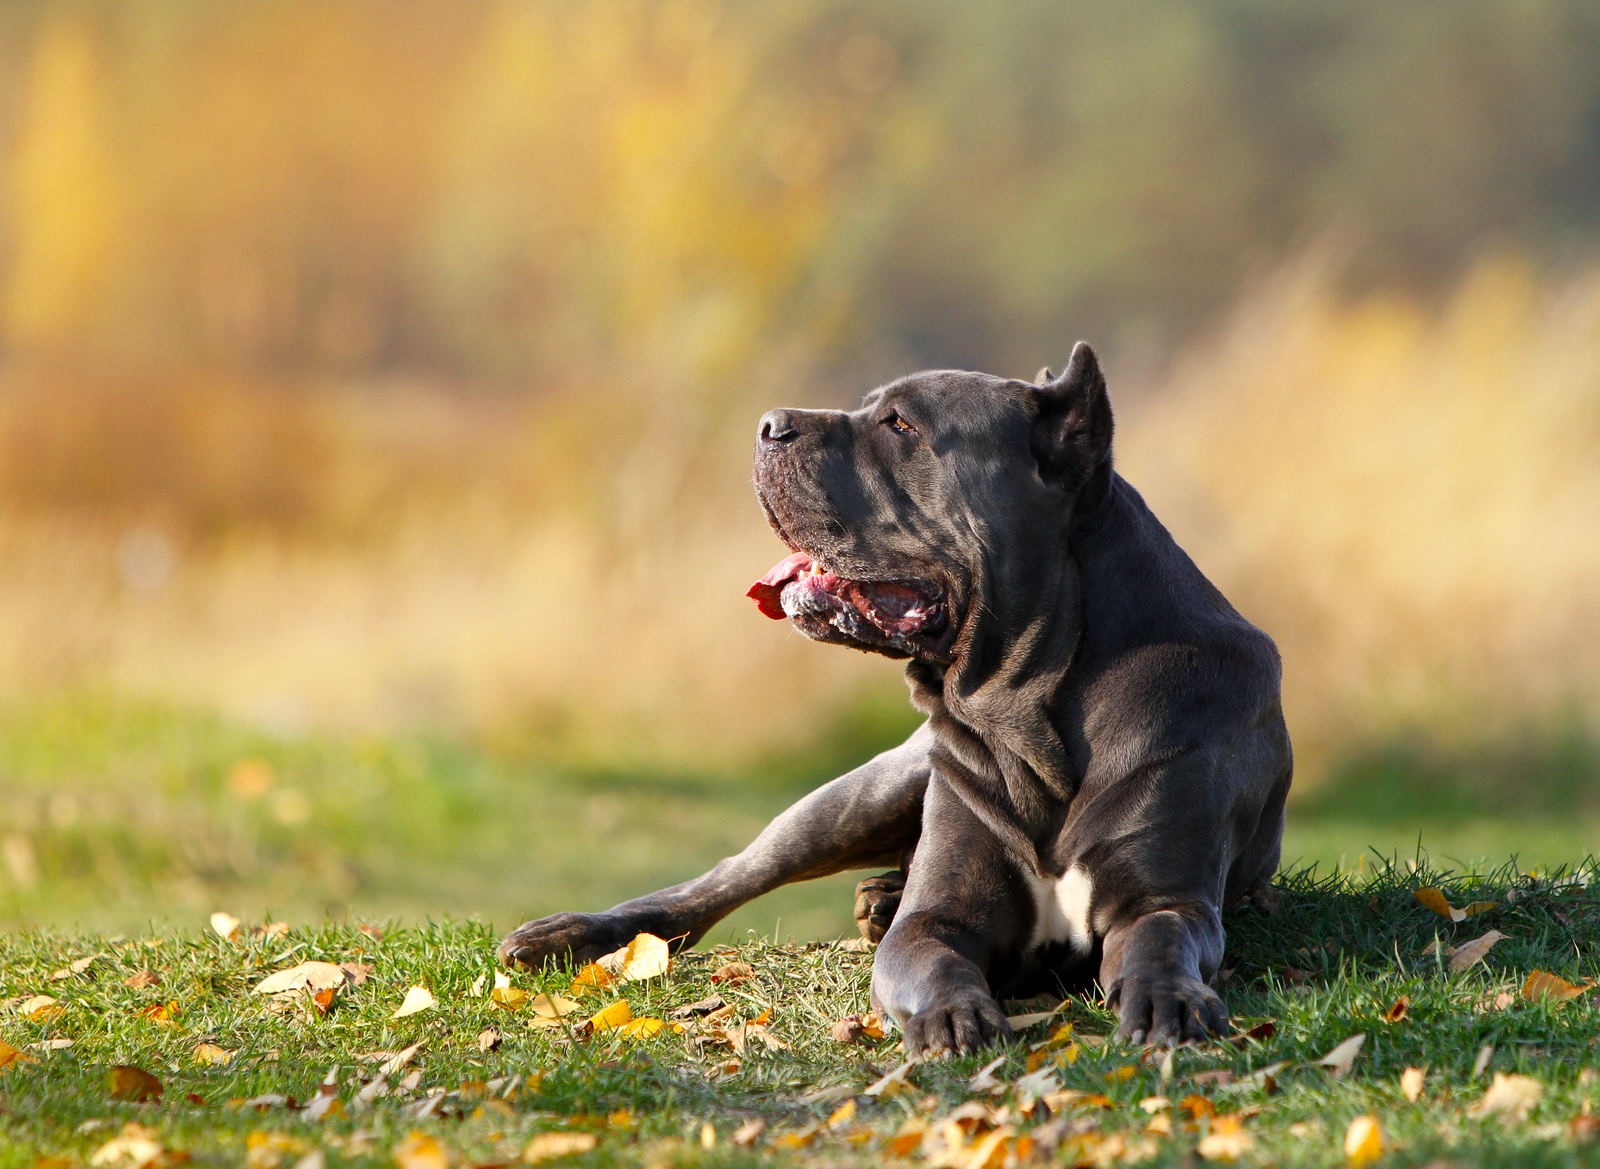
x,y
1334,959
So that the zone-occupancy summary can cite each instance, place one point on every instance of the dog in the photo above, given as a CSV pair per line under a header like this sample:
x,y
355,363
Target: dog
x,y
1104,761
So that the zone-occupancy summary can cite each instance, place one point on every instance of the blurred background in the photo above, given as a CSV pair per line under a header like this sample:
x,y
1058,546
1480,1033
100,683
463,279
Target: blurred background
x,y
378,381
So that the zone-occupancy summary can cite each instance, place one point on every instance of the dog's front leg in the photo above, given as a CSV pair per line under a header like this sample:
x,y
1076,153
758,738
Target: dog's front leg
x,y
1154,970
959,911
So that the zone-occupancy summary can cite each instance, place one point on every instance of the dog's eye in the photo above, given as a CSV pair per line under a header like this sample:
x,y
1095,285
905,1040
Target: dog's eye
x,y
899,425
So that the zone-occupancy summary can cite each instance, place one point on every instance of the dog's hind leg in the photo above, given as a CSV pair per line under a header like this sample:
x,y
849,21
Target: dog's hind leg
x,y
867,818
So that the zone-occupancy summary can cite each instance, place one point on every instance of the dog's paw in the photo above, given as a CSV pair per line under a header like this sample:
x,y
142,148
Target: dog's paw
x,y
566,937
967,1021
1166,1011
877,898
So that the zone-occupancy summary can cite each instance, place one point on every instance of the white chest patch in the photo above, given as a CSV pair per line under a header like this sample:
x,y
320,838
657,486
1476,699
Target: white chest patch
x,y
1061,909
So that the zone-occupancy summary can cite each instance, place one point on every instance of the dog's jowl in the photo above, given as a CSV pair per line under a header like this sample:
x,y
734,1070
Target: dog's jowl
x,y
1104,762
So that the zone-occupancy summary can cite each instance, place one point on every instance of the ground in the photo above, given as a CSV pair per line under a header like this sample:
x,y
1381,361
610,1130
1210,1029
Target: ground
x,y
488,1080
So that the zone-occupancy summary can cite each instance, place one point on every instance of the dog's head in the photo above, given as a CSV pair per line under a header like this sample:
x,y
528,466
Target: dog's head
x,y
946,496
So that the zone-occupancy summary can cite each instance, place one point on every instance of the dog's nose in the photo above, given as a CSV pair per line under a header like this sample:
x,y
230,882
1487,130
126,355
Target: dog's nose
x,y
778,426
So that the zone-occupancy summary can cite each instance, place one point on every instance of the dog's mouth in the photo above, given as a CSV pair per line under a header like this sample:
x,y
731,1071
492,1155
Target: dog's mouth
x,y
906,615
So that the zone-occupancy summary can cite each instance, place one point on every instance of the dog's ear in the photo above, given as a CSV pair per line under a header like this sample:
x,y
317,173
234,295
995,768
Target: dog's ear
x,y
1072,434
1043,376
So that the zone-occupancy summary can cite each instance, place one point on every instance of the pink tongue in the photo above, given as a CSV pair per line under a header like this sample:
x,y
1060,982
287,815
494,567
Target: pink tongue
x,y
766,591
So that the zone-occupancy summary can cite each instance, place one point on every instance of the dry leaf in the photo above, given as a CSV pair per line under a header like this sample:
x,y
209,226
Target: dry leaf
x,y
311,976
1472,952
10,1055
225,924
418,998
372,931
163,1013
842,1115
356,972
733,972
142,979
1217,1077
591,977
421,1151
125,1082
135,1144
1197,1106
618,1014
1227,1140
395,1062
38,1008
853,1028
647,956
273,929
1340,1058
1510,1097
1485,1054
892,1084
1411,1083
553,1006
744,1137
508,997
323,999
211,1053
1435,900
72,968
488,1039
1398,1010
1543,985
1363,1141
557,1144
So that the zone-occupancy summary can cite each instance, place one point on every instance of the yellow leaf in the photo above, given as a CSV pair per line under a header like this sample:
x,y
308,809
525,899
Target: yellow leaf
x,y
553,1006
135,1144
641,1028
1473,908
124,1082
1510,1097
1363,1141
38,1008
843,1114
508,997
211,1053
558,1144
906,1140
418,998
647,956
590,977
745,1135
1472,952
1543,985
1398,1011
10,1055
618,1014
73,968
871,1024
1435,900
1227,1140
421,1151
1411,1083
225,924
1126,1072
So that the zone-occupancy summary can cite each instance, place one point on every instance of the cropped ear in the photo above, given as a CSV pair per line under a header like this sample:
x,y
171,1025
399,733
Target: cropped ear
x,y
1071,436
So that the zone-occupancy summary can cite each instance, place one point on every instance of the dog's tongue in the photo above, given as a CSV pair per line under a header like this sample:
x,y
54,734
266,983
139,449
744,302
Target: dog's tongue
x,y
766,591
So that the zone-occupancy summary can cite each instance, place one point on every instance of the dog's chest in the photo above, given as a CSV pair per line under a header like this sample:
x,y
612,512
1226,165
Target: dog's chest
x,y
1062,910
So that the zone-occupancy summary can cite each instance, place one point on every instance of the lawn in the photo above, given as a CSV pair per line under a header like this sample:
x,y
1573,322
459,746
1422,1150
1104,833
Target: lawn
x,y
491,1079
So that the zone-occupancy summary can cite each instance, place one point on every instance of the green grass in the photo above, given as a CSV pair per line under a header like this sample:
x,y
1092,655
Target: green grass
x,y
1333,959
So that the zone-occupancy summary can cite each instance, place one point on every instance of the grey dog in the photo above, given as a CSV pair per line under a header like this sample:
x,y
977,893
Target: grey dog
x,y
1104,763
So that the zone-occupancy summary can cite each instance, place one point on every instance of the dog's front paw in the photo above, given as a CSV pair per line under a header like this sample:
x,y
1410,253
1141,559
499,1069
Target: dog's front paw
x,y
877,899
1166,1010
566,937
966,1021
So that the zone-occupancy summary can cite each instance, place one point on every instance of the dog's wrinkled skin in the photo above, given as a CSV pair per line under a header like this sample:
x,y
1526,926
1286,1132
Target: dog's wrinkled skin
x,y
1104,762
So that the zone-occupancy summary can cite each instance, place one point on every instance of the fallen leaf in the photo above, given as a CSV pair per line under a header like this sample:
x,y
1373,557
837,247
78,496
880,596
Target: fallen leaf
x,y
744,1137
73,968
323,999
311,976
38,1008
1543,985
163,1013
591,977
10,1055
1583,1128
1363,1141
273,929
1218,1077
1257,1034
1124,1073
142,979
508,997
1435,900
1411,1083
557,1144
842,1115
488,1039
1485,1054
1511,1097
703,1007
1472,952
647,956
211,1053
225,924
800,1138
1197,1106
855,945
893,1083
135,1143
395,1062
421,1151
553,1006
641,1028
733,972
418,998
1227,1140
1474,908
1341,1057
909,1136
618,1014
125,1082
1398,1010
372,931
